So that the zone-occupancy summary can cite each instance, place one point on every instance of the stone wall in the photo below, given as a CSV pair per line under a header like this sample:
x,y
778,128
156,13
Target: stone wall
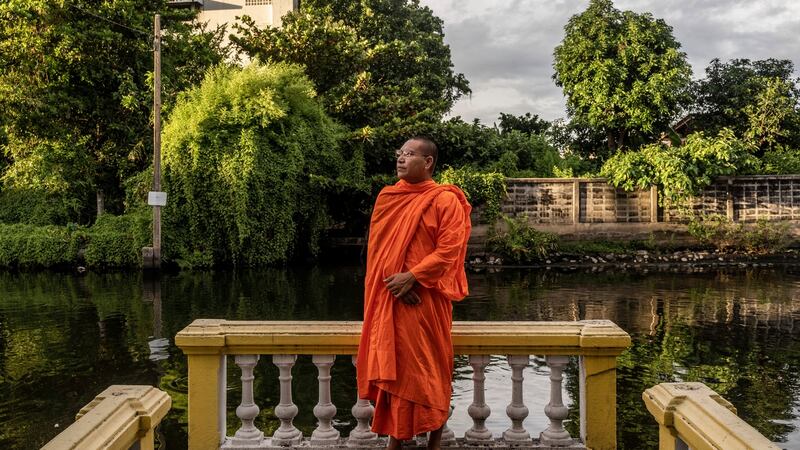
x,y
548,201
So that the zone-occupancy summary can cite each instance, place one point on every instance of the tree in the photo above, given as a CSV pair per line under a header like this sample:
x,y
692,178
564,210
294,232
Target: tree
x,y
769,112
528,124
249,160
729,89
622,73
380,66
82,123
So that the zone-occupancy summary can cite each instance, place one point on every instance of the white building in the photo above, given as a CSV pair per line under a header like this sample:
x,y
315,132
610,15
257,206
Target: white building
x,y
220,12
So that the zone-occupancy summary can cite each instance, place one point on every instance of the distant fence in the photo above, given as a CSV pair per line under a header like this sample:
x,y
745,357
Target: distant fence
x,y
560,201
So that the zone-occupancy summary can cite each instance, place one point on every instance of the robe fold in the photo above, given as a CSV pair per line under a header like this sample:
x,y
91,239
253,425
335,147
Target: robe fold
x,y
405,355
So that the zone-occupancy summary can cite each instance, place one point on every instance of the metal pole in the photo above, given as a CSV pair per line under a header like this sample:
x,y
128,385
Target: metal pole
x,y
157,139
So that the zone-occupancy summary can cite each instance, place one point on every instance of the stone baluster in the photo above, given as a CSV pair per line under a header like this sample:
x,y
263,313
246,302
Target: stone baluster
x,y
287,433
324,434
555,435
478,410
362,436
516,410
247,435
448,436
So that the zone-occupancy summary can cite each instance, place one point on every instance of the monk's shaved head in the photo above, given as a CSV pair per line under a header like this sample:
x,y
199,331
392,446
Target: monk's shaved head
x,y
429,148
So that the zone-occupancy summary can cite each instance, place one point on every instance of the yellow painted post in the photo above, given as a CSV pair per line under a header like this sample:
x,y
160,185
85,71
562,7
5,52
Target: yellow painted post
x,y
206,399
598,402
147,442
667,438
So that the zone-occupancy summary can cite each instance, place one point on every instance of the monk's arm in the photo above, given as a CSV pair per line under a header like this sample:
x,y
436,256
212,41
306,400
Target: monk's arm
x,y
452,228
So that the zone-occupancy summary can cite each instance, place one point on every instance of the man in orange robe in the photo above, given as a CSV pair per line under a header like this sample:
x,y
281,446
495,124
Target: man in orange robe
x,y
415,269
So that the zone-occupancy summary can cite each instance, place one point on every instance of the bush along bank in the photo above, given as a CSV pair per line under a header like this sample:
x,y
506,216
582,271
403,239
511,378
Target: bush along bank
x,y
515,243
113,242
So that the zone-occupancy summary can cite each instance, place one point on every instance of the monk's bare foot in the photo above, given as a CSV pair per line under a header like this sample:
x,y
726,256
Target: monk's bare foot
x,y
394,444
435,439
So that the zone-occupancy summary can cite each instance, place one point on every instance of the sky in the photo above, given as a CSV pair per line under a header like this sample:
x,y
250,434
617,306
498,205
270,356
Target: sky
x,y
505,47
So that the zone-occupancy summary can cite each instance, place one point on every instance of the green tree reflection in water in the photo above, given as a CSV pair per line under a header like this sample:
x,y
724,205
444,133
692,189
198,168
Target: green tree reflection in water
x,y
64,338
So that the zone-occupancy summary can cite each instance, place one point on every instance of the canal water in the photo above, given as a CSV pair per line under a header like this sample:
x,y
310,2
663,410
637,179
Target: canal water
x,y
64,338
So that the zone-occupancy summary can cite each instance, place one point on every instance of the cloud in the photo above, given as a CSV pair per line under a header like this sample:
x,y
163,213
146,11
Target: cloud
x,y
505,48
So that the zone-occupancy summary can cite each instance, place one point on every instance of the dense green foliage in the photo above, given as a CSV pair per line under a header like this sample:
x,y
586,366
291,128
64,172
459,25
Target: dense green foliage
x,y
483,190
518,242
725,235
117,241
30,246
82,124
380,66
730,88
113,242
622,73
249,159
680,172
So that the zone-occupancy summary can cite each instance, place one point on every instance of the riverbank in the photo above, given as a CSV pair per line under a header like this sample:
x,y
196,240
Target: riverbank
x,y
644,260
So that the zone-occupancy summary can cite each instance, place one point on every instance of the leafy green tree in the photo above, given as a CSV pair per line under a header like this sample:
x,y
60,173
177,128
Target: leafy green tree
x,y
528,124
249,159
76,94
730,88
381,67
769,113
622,73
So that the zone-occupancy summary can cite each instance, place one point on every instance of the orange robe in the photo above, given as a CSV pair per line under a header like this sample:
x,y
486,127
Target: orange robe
x,y
405,356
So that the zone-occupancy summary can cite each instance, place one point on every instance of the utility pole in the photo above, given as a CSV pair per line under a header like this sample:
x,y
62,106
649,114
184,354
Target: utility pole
x,y
152,255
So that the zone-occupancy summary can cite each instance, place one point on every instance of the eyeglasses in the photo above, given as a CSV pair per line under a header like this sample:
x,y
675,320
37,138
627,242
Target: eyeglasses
x,y
406,154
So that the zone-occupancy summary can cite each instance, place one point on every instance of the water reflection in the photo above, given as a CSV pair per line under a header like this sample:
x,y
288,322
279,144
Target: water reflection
x,y
64,338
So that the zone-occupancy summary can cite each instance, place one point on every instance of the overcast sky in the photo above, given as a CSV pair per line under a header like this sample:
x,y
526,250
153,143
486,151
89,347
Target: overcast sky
x,y
505,47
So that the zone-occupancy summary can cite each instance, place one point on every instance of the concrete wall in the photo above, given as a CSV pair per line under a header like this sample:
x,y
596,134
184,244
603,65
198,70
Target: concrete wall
x,y
548,201
603,212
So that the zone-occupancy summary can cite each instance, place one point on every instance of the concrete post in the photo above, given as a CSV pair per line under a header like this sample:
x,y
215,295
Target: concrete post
x,y
598,402
576,202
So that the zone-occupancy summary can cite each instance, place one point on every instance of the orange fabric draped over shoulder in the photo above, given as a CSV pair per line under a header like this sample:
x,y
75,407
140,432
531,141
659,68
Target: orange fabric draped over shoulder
x,y
405,357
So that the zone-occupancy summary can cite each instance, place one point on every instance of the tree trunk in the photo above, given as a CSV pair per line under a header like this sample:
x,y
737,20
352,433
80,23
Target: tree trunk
x,y
101,203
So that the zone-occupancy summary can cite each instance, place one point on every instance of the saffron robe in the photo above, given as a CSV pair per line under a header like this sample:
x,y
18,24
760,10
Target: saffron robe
x,y
405,355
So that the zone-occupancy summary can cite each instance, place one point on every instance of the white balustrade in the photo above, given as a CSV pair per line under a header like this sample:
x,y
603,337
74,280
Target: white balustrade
x,y
247,435
516,410
287,434
479,411
324,434
362,435
555,435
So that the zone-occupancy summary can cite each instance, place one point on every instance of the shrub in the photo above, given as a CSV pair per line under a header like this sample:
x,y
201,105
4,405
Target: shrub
x,y
519,242
117,241
781,161
250,159
486,190
762,237
680,172
29,246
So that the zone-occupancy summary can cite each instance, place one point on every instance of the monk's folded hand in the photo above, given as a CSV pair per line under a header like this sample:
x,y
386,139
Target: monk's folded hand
x,y
412,298
400,283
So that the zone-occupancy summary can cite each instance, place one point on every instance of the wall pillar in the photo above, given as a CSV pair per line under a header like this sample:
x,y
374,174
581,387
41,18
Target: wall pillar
x,y
207,398
576,202
598,402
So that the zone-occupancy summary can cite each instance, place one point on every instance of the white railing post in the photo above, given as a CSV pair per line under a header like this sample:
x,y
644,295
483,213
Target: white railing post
x,y
448,436
479,411
361,435
555,434
287,433
247,411
324,434
516,410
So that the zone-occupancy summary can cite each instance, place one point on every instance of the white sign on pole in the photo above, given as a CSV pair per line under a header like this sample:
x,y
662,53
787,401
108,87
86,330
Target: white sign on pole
x,y
155,198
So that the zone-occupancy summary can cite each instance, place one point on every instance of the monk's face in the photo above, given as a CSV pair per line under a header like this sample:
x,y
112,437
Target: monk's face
x,y
413,165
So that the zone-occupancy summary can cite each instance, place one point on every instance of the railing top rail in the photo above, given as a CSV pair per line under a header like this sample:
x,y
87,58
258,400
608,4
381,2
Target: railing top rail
x,y
587,337
115,419
702,418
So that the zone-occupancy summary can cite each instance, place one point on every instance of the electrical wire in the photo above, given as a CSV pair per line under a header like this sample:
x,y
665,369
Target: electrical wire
x,y
135,30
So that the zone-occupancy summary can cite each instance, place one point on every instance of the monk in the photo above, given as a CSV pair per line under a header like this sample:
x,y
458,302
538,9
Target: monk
x,y
415,269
